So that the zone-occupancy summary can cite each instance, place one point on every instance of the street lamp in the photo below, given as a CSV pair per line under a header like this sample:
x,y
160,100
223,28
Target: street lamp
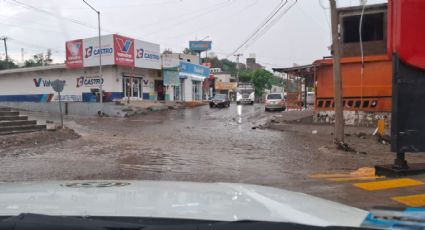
x,y
100,52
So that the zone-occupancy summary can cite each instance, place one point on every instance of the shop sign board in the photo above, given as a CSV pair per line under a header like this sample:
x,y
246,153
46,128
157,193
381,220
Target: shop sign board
x,y
147,55
200,46
74,53
186,67
92,51
124,50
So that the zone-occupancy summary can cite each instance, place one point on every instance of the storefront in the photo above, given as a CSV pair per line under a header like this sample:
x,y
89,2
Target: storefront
x,y
185,82
34,84
131,69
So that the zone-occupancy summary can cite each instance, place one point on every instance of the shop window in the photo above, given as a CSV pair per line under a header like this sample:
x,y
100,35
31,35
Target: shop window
x,y
328,104
372,29
365,104
333,104
350,104
374,103
320,104
343,103
357,104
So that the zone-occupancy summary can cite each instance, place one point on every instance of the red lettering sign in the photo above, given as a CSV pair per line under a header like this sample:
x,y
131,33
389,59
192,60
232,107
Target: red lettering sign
x,y
123,50
74,53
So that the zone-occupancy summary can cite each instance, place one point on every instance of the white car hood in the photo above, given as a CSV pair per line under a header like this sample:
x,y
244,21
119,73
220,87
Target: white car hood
x,y
163,199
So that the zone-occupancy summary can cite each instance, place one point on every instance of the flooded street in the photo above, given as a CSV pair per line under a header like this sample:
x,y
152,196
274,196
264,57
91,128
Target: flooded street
x,y
199,144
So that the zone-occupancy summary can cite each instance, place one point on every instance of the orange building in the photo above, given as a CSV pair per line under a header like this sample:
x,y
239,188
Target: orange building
x,y
370,91
366,76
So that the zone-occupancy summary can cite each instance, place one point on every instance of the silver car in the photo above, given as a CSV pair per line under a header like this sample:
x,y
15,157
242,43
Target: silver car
x,y
275,101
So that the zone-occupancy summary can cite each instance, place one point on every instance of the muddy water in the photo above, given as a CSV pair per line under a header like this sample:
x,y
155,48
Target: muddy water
x,y
199,144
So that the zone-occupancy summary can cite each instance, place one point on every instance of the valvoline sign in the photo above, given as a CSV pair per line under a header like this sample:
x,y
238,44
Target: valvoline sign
x,y
115,50
74,53
124,50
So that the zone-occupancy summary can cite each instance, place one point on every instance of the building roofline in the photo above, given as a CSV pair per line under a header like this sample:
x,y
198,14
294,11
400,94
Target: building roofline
x,y
293,69
32,69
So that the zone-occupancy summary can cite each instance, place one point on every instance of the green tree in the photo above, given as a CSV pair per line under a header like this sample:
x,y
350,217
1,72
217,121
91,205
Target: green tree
x,y
37,60
167,51
261,80
40,59
277,81
189,51
245,76
11,62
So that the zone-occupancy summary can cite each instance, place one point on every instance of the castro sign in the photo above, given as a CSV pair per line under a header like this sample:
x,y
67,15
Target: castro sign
x,y
93,81
147,55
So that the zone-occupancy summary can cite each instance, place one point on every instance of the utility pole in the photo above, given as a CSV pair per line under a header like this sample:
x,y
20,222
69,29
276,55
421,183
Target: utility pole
x,y
237,66
339,116
100,52
4,38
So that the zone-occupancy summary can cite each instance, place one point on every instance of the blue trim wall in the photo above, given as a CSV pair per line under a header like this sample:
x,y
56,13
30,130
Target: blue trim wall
x,y
27,98
108,97
87,97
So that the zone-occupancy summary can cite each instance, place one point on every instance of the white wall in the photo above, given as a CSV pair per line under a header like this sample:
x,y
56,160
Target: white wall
x,y
77,81
188,89
223,77
148,77
173,60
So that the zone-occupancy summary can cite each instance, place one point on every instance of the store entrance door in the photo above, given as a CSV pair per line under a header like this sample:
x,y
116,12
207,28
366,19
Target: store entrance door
x,y
160,90
132,88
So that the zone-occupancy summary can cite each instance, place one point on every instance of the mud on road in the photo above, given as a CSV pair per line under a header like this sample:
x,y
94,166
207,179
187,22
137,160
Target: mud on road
x,y
199,144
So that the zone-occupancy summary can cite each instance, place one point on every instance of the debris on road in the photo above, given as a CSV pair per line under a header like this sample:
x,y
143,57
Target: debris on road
x,y
38,138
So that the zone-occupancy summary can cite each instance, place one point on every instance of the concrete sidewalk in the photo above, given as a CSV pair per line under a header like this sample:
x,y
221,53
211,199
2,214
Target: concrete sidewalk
x,y
112,109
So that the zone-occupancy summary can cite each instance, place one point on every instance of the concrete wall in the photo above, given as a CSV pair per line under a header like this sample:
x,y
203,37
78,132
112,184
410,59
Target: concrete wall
x,y
38,82
35,85
354,118
148,77
73,108
222,77
173,60
188,89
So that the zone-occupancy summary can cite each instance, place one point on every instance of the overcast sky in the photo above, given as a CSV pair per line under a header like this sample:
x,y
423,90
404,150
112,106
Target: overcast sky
x,y
301,35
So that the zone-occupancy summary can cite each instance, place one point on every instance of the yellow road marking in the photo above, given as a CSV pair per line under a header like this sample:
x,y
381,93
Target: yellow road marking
x,y
329,175
412,200
388,184
356,178
361,173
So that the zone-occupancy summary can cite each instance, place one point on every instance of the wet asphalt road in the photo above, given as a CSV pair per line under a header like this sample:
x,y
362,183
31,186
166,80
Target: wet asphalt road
x,y
199,144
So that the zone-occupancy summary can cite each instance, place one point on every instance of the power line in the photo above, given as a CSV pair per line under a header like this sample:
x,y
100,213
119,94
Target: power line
x,y
37,46
214,23
275,11
271,24
265,24
27,6
193,16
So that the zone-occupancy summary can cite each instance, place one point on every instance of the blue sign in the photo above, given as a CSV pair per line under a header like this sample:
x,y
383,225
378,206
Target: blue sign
x,y
186,67
200,45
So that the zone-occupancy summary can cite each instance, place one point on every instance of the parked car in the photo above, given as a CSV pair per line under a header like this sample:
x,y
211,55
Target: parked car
x,y
275,101
220,100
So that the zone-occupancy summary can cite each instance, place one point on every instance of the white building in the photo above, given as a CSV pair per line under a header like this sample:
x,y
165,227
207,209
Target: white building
x,y
130,68
184,78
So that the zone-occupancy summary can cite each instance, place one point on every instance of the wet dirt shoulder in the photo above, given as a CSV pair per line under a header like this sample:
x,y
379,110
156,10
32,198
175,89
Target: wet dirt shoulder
x,y
40,138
